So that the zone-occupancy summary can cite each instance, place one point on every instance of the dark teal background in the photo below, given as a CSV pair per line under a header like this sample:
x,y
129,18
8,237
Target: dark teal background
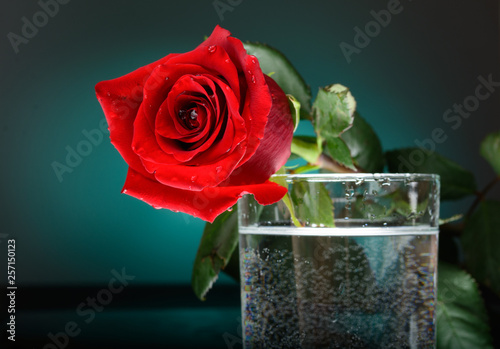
x,y
76,231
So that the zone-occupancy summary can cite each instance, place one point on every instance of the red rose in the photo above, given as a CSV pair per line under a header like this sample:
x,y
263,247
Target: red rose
x,y
199,129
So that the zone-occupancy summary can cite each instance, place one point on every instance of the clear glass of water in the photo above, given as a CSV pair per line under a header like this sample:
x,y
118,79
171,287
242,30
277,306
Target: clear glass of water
x,y
343,261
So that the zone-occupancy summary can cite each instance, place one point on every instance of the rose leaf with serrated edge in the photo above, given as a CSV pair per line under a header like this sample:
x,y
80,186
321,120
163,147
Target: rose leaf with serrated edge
x,y
333,111
218,242
338,151
461,316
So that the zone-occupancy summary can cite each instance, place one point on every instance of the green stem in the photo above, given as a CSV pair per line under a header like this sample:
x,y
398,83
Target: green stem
x,y
481,195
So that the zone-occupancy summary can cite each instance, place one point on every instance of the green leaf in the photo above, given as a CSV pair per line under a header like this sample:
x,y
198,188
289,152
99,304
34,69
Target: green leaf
x,y
338,151
306,147
456,182
462,320
481,242
295,109
365,146
490,150
218,242
333,111
287,77
312,204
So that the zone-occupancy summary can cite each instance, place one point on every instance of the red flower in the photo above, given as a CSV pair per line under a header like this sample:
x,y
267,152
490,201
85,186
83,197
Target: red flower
x,y
200,129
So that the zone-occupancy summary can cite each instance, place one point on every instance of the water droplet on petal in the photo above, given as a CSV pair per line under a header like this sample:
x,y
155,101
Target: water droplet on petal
x,y
227,60
108,94
124,191
193,178
230,209
166,77
212,48
218,169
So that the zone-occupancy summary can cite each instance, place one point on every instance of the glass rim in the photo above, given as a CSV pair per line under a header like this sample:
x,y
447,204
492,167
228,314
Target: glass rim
x,y
354,177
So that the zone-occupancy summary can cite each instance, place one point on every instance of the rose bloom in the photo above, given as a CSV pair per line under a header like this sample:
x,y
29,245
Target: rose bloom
x,y
200,129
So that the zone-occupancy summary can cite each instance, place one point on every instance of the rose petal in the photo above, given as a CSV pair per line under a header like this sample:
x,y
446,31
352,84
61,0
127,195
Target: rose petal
x,y
168,114
169,74
257,102
257,98
120,100
274,149
213,56
206,204
145,145
201,176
